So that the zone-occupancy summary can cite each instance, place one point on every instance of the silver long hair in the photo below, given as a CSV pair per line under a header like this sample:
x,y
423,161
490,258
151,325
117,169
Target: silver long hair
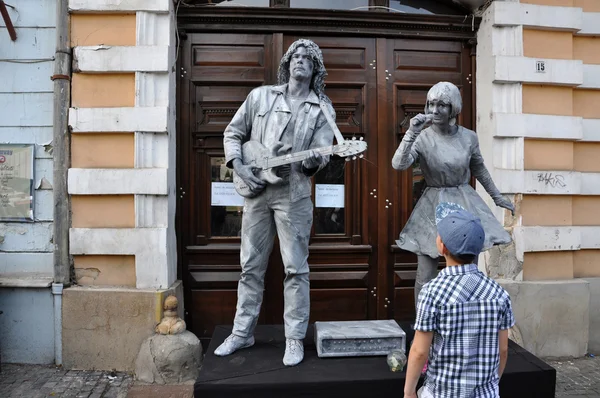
x,y
319,73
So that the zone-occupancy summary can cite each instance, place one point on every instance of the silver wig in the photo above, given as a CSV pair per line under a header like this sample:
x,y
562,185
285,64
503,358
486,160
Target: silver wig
x,y
319,73
448,93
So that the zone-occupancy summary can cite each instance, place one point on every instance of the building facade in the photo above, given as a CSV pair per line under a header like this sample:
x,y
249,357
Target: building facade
x,y
155,82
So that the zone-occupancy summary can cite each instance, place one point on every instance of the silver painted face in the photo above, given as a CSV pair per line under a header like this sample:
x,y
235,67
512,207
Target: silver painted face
x,y
440,110
301,65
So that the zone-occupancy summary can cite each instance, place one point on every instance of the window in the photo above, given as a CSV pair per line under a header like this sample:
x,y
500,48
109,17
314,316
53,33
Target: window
x,y
226,205
331,4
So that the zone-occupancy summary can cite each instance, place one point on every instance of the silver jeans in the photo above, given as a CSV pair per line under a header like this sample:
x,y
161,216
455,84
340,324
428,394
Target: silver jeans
x,y
264,215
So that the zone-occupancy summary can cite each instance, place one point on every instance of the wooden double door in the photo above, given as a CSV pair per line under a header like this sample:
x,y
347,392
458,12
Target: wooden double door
x,y
376,85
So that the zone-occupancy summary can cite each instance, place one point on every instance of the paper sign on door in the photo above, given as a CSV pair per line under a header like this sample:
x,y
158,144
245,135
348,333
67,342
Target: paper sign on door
x,y
224,194
329,195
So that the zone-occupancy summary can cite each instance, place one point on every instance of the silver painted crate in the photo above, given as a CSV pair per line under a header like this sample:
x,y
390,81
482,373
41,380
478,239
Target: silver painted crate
x,y
358,338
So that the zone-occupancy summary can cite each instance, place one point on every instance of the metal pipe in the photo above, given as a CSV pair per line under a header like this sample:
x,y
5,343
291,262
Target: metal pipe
x,y
62,145
9,25
57,290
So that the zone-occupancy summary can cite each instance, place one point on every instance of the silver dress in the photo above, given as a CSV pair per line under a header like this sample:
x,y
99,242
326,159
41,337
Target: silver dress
x,y
447,162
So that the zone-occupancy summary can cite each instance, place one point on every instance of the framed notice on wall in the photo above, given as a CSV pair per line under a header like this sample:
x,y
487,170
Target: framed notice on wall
x,y
16,182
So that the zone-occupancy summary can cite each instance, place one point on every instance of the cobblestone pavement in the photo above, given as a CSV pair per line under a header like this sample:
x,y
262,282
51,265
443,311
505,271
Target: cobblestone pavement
x,y
576,378
33,381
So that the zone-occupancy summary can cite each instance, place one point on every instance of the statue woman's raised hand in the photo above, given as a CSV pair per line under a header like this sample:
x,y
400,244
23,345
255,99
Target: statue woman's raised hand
x,y
420,122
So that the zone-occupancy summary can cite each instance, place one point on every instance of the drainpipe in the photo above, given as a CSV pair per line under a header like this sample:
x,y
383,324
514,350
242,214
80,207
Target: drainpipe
x,y
62,161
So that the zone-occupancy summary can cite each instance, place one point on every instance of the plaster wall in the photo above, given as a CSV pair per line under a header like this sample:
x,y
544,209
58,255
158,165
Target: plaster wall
x,y
26,248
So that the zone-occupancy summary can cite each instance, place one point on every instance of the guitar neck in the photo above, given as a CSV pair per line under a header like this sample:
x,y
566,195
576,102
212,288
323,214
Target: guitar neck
x,y
294,157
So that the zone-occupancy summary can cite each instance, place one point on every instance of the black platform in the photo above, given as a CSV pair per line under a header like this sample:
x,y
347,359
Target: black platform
x,y
258,372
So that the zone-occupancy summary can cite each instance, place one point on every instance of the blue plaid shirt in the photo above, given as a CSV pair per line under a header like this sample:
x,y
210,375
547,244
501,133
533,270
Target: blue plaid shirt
x,y
465,310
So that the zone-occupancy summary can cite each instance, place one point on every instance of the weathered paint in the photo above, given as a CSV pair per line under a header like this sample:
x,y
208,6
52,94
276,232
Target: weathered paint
x,y
103,211
26,326
27,109
548,100
32,13
26,237
106,29
547,210
117,181
102,150
43,209
26,78
547,44
103,90
548,155
13,263
121,59
105,270
149,245
545,266
32,44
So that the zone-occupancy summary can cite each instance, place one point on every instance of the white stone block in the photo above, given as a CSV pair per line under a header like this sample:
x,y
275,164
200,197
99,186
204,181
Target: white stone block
x,y
524,70
117,181
150,119
538,126
149,245
551,316
151,150
151,89
119,5
151,211
100,59
591,24
591,130
152,29
591,77
506,13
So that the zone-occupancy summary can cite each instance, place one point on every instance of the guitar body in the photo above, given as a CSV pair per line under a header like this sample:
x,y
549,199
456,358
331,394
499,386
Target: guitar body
x,y
265,161
255,154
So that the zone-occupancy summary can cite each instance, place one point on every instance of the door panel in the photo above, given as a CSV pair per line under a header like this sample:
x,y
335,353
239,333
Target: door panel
x,y
415,66
376,86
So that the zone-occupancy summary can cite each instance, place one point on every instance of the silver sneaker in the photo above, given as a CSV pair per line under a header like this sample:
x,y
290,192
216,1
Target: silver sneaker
x,y
232,344
294,352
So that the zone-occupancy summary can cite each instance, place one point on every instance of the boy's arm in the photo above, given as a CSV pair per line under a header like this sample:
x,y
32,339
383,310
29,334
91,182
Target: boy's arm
x,y
503,344
416,360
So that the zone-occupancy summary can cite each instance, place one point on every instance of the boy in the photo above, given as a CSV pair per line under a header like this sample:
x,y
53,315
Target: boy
x,y
463,319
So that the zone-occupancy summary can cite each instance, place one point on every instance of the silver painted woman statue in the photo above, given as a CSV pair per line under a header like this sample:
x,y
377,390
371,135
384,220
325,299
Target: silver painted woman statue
x,y
448,155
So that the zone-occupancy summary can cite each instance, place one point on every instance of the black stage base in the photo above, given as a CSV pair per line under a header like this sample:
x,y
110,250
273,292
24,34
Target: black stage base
x,y
259,372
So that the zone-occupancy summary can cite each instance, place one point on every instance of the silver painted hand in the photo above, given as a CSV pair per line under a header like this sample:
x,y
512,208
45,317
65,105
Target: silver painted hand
x,y
505,203
246,173
313,161
420,122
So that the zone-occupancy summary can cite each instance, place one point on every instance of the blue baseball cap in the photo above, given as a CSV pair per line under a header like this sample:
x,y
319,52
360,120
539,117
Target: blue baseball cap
x,y
461,232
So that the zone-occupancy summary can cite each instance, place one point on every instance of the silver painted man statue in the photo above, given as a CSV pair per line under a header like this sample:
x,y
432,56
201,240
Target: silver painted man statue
x,y
287,117
448,155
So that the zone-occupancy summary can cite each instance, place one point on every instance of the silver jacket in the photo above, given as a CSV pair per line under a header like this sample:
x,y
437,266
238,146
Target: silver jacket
x,y
264,116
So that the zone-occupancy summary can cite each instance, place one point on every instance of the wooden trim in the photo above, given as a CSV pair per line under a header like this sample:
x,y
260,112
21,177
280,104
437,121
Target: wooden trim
x,y
359,23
